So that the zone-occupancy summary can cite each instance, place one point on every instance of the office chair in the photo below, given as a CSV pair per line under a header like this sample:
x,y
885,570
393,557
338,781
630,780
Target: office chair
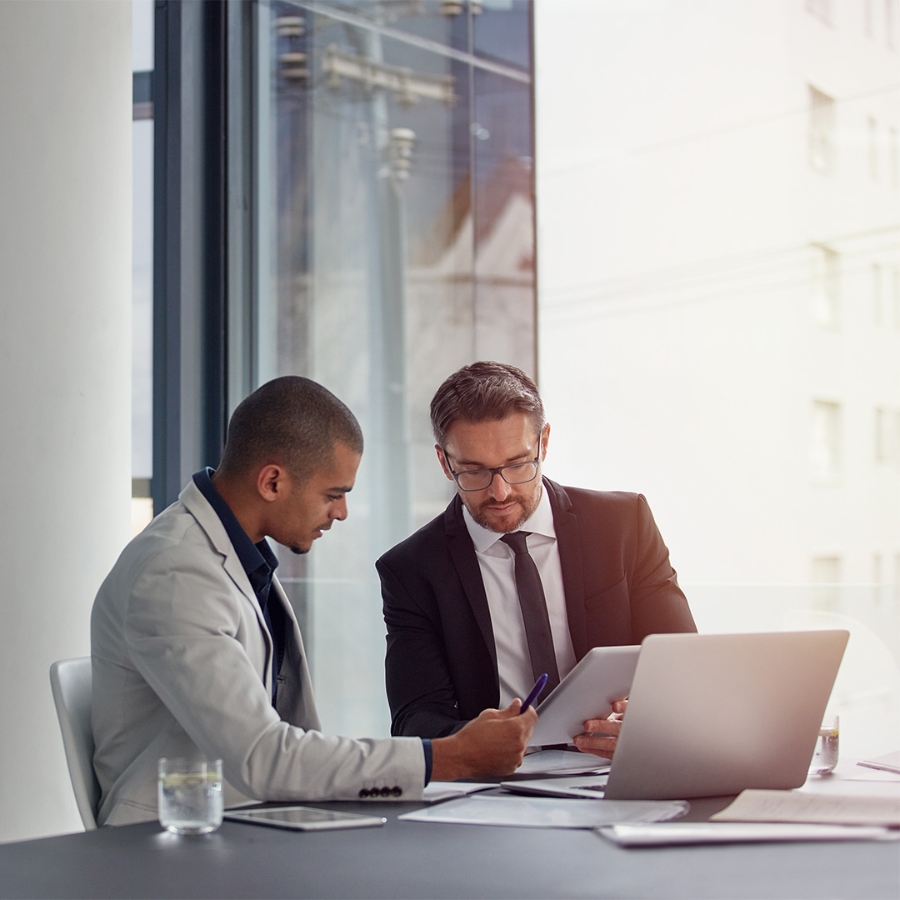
x,y
70,681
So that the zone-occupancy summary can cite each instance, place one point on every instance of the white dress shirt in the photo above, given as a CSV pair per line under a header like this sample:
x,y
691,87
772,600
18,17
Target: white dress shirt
x,y
496,561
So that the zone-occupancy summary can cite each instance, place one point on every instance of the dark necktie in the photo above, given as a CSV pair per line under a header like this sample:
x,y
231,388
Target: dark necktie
x,y
273,613
534,611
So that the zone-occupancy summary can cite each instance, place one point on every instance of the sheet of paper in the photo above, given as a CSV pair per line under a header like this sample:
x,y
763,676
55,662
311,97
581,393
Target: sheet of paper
x,y
555,762
541,812
438,791
827,809
890,762
675,833
854,780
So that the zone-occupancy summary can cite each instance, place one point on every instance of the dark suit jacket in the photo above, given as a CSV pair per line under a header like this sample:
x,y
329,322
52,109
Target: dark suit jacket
x,y
441,663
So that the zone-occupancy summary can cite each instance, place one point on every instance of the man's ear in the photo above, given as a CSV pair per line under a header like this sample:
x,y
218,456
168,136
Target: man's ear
x,y
272,482
442,459
545,440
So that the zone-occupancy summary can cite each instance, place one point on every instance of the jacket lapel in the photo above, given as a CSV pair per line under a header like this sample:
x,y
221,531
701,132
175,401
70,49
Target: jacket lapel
x,y
566,523
198,506
462,552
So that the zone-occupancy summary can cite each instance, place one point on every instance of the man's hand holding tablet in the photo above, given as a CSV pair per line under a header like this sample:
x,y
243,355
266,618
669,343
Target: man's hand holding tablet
x,y
600,735
577,710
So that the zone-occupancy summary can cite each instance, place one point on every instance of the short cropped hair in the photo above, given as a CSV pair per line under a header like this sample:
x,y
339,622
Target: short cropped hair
x,y
290,421
484,392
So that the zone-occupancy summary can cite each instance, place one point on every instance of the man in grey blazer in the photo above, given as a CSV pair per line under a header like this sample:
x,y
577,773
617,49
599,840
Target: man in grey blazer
x,y
196,651
458,638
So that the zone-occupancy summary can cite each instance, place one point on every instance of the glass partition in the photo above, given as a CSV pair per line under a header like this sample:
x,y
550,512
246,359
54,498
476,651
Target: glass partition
x,y
395,243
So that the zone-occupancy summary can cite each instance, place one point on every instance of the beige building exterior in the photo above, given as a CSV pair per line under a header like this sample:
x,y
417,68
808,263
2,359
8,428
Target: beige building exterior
x,y
718,192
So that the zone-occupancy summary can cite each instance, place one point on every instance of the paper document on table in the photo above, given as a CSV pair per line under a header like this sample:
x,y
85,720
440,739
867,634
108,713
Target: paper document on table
x,y
826,809
890,762
438,791
558,762
540,812
675,833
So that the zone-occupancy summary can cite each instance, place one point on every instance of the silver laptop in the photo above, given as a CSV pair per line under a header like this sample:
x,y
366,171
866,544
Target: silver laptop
x,y
713,714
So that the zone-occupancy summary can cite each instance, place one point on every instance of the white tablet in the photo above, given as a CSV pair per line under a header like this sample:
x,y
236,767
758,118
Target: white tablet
x,y
587,692
303,818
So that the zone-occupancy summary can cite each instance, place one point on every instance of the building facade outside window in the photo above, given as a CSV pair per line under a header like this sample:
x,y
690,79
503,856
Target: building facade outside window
x,y
689,345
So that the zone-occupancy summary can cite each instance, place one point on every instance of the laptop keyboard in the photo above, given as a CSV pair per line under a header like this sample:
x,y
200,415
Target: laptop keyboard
x,y
585,786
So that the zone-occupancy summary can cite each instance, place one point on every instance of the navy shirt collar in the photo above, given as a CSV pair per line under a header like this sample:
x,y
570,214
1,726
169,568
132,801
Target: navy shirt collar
x,y
259,560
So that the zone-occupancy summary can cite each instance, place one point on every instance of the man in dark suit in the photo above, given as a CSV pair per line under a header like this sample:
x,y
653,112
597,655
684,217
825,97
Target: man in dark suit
x,y
519,575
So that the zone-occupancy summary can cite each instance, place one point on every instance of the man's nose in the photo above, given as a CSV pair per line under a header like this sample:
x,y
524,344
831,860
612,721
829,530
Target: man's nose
x,y
338,510
498,488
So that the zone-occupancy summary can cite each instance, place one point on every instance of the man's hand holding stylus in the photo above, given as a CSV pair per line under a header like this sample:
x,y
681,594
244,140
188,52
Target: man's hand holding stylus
x,y
492,744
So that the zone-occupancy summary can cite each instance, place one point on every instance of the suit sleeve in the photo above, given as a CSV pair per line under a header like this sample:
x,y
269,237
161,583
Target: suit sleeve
x,y
658,604
419,684
185,636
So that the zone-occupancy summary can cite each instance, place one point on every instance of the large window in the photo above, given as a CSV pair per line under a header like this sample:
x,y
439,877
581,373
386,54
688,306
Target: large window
x,y
396,243
713,203
342,190
678,355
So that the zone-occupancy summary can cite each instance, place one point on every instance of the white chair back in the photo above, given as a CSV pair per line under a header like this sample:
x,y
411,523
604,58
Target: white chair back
x,y
70,681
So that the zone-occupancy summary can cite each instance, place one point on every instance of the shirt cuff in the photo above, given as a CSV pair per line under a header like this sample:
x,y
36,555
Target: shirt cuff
x,y
426,747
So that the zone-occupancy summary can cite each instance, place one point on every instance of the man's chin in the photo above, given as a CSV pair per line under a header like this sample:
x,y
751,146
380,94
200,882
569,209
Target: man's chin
x,y
300,550
501,524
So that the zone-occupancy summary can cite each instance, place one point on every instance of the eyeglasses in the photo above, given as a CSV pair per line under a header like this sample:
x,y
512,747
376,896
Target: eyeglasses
x,y
479,479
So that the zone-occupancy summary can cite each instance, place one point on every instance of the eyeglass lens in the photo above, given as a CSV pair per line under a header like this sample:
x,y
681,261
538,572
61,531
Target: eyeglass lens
x,y
479,479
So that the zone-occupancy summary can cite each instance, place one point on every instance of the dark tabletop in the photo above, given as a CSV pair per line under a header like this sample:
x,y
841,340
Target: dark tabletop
x,y
414,859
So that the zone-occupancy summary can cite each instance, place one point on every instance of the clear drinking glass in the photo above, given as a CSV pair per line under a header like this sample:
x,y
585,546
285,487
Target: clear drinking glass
x,y
826,756
190,795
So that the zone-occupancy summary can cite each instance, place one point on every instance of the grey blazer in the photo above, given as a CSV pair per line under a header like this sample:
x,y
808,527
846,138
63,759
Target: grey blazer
x,y
182,666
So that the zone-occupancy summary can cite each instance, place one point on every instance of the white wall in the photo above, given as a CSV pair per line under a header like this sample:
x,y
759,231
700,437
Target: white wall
x,y
65,246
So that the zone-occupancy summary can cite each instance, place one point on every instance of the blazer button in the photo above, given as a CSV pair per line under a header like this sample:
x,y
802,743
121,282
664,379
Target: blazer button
x,y
385,792
363,794
397,791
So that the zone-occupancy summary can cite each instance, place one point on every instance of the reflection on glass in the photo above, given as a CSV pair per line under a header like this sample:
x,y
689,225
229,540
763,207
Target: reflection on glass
x,y
396,170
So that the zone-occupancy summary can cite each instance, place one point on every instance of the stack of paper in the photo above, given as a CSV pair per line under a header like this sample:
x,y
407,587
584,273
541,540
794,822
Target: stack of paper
x,y
559,762
675,833
775,816
439,791
890,762
819,809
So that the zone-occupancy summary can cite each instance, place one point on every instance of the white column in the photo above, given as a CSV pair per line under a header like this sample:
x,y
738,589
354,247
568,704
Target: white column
x,y
65,263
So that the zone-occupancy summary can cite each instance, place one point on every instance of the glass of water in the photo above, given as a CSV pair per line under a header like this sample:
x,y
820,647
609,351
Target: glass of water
x,y
190,795
826,756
